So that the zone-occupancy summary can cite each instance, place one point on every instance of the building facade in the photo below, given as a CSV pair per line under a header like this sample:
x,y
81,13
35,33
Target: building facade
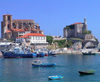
x,y
36,39
76,31
12,28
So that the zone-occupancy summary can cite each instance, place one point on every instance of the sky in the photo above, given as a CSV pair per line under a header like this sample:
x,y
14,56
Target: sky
x,y
54,15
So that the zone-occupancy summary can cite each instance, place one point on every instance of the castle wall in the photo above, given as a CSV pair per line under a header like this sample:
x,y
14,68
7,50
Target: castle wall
x,y
88,37
65,33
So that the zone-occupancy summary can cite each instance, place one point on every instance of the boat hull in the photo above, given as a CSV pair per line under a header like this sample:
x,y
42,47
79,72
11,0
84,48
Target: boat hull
x,y
55,77
89,53
41,54
13,55
44,65
85,73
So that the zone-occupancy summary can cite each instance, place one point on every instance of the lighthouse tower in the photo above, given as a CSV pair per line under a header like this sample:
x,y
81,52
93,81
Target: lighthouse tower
x,y
85,24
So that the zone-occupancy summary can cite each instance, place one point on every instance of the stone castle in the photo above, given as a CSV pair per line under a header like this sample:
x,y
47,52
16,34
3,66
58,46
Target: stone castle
x,y
12,28
76,31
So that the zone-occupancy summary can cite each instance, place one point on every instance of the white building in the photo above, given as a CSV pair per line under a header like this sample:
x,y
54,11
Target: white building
x,y
4,45
36,39
58,38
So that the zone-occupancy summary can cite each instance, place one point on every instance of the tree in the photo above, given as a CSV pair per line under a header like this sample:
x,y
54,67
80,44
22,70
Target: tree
x,y
49,39
86,32
69,44
89,32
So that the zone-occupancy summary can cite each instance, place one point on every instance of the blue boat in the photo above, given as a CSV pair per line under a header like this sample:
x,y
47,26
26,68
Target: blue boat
x,y
37,63
40,54
18,53
56,77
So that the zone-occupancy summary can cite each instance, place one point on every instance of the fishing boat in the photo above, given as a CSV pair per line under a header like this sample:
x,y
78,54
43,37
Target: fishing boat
x,y
40,54
37,63
88,72
89,53
84,53
51,53
18,52
56,77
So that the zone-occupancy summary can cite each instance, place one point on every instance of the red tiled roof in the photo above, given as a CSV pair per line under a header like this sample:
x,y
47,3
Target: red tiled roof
x,y
34,34
8,31
18,30
31,34
26,29
23,37
77,23
34,29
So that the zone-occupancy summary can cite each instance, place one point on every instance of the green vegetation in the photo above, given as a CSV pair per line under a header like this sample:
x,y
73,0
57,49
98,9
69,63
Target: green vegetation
x,y
70,27
61,43
87,32
76,38
96,39
11,40
64,43
49,39
69,44
67,27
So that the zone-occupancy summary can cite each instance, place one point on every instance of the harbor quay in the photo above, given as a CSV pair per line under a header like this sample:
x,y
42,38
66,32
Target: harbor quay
x,y
76,51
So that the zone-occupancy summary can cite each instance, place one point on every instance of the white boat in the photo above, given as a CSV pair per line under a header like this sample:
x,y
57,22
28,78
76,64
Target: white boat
x,y
38,63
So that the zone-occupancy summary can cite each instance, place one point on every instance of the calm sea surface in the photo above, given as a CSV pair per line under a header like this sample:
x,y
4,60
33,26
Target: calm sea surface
x,y
21,70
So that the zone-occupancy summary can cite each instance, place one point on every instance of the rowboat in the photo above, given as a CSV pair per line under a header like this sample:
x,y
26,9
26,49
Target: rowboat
x,y
88,72
37,63
56,77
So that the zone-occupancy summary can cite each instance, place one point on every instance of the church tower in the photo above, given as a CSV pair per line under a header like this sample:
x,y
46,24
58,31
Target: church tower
x,y
6,24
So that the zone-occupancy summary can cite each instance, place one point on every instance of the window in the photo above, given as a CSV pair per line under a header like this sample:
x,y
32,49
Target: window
x,y
8,27
8,17
40,38
24,24
29,24
33,37
13,24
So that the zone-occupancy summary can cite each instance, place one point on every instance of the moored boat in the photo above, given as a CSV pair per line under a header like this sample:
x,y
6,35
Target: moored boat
x,y
84,53
17,52
88,72
40,54
56,77
37,63
51,53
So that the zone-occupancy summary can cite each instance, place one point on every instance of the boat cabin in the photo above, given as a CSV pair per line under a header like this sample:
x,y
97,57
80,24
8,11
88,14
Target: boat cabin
x,y
36,61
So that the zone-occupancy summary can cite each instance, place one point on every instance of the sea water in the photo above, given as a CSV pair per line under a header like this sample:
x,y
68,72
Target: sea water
x,y
21,70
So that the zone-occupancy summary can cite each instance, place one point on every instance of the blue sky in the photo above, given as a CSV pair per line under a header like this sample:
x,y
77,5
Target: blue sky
x,y
54,15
